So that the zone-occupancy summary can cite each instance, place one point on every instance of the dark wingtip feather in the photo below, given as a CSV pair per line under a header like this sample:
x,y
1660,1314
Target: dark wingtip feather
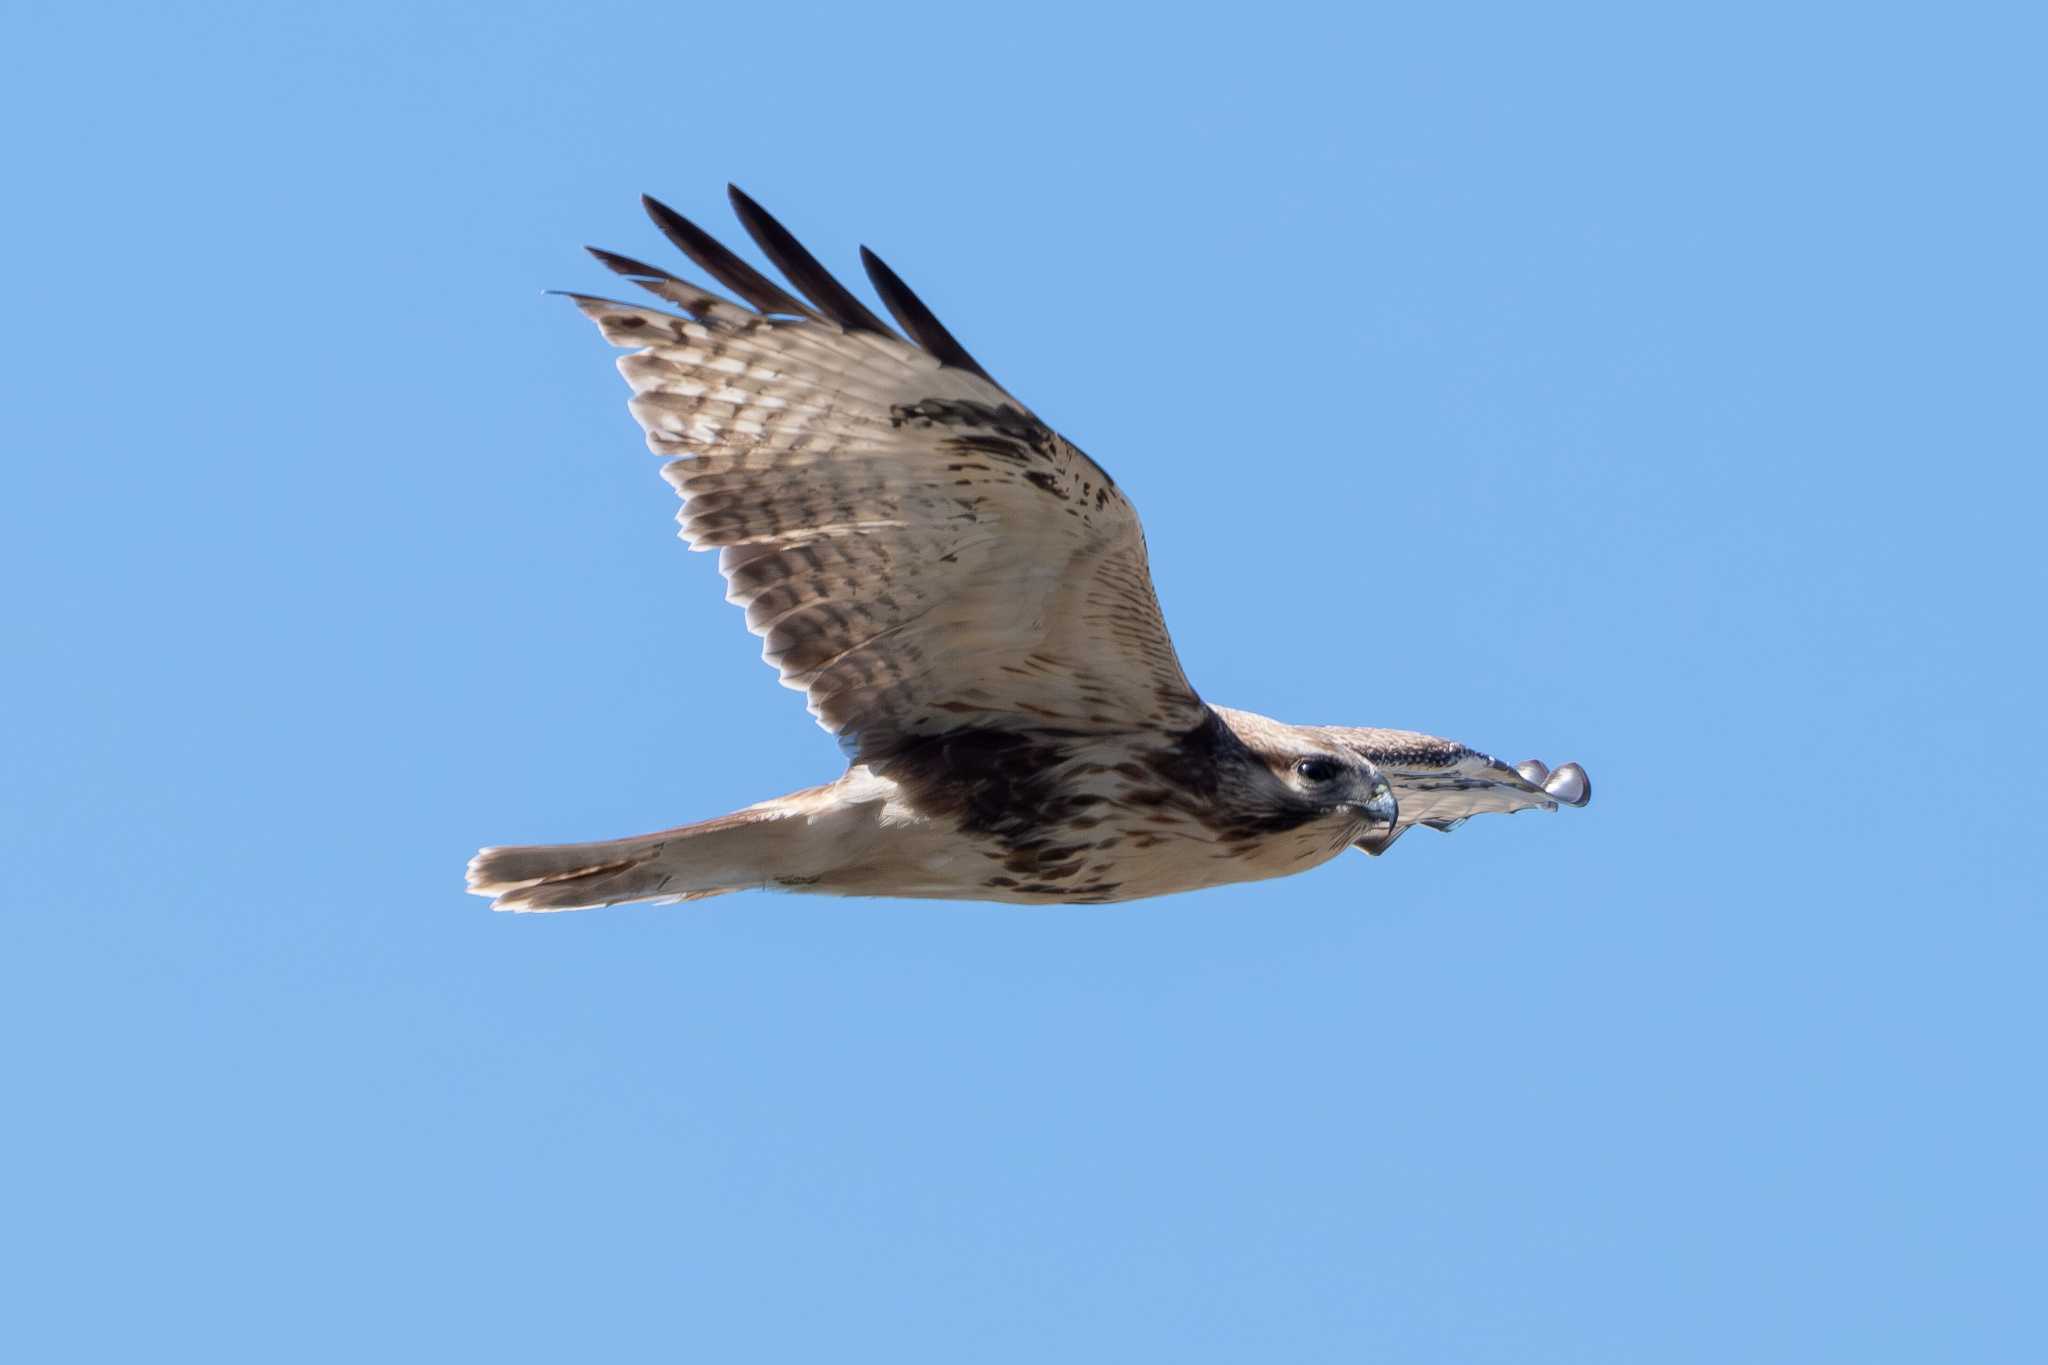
x,y
913,317
716,261
627,266
802,269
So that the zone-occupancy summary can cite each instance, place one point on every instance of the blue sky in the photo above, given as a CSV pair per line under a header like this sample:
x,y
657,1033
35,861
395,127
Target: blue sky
x,y
1659,392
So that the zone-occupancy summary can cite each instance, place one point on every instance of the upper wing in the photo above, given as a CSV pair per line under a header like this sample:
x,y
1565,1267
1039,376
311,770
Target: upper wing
x,y
918,552
1440,783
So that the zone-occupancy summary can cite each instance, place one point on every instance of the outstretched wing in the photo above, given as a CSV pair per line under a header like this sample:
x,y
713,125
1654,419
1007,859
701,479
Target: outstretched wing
x,y
1441,783
918,552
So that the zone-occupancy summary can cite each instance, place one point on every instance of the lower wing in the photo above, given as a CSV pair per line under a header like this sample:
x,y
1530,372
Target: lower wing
x,y
1442,784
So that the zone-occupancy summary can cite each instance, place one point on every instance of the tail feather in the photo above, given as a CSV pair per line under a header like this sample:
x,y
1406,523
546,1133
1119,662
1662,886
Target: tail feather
x,y
578,876
686,864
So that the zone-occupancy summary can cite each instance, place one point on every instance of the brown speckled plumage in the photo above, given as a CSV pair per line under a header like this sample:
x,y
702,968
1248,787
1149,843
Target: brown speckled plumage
x,y
963,597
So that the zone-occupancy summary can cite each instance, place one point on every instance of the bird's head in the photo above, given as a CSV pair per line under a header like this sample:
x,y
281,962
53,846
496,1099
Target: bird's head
x,y
1314,775
1338,780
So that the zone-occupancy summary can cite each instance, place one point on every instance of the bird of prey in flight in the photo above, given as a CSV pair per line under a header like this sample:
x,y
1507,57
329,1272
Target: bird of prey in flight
x,y
963,597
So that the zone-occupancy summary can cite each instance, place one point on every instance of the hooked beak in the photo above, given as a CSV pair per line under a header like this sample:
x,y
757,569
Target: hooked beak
x,y
1385,813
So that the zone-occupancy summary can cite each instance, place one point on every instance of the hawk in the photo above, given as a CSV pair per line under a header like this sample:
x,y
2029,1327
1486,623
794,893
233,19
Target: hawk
x,y
962,595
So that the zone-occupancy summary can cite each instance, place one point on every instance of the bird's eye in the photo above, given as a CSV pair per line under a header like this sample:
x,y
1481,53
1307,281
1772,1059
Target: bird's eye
x,y
1318,769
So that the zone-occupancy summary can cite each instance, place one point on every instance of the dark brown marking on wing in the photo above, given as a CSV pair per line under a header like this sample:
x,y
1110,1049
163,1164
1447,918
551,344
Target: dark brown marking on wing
x,y
1002,431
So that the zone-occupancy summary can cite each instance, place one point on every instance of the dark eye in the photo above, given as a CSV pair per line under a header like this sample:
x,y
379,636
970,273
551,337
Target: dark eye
x,y
1318,769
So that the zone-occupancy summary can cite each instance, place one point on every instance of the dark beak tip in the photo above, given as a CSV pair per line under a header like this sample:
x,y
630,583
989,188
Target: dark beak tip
x,y
1379,841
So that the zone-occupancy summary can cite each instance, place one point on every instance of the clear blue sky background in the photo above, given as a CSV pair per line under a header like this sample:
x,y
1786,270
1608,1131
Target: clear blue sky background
x,y
1659,392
